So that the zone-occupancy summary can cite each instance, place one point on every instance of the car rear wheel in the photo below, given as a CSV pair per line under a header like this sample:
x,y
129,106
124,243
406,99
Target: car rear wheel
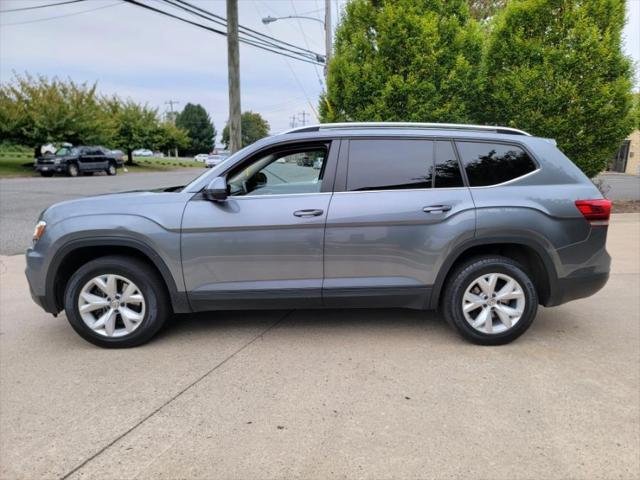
x,y
111,170
490,300
72,170
116,302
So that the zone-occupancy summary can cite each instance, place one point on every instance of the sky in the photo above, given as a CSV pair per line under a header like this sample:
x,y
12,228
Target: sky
x,y
151,59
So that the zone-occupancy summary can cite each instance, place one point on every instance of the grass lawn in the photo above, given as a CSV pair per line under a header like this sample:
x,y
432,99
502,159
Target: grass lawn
x,y
18,162
15,161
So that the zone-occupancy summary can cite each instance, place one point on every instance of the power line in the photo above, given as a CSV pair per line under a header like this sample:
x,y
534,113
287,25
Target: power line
x,y
223,33
262,39
40,6
293,72
245,30
304,37
59,16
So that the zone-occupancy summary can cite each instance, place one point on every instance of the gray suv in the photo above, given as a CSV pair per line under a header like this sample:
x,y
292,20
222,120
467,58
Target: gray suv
x,y
482,223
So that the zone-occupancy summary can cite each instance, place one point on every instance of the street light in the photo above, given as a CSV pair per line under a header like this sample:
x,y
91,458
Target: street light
x,y
327,29
270,19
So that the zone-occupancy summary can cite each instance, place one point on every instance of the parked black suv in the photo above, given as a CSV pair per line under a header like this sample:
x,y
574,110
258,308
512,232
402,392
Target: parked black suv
x,y
76,160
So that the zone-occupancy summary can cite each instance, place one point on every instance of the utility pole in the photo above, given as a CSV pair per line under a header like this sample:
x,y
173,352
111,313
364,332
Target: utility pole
x,y
171,103
293,121
303,114
327,36
235,132
173,120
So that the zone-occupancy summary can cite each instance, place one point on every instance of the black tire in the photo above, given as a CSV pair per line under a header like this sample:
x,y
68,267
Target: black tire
x,y
464,275
111,169
150,284
72,170
46,174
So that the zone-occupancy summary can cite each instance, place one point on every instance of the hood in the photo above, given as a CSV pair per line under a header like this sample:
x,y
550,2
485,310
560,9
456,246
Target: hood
x,y
138,203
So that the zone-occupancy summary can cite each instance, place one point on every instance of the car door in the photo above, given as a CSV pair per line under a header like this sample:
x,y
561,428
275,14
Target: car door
x,y
102,157
399,207
88,159
263,245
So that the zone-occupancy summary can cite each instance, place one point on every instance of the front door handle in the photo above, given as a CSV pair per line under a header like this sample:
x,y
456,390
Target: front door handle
x,y
436,209
311,212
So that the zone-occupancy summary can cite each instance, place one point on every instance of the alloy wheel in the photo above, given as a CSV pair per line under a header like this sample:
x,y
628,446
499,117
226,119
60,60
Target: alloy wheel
x,y
493,303
111,305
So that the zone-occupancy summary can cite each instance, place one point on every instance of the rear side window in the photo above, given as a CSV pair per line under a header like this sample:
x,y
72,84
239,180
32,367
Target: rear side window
x,y
493,163
447,170
390,164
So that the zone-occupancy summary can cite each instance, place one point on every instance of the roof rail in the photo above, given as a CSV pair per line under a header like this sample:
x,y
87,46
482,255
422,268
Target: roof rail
x,y
406,125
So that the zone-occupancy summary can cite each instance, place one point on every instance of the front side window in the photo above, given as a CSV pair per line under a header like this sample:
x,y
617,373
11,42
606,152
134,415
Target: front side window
x,y
493,163
390,164
285,172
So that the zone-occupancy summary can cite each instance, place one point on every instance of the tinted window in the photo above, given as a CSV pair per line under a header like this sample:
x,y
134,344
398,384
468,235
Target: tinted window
x,y
447,168
389,164
493,163
287,172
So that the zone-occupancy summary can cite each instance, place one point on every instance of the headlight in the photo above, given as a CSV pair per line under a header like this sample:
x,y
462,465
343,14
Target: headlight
x,y
39,230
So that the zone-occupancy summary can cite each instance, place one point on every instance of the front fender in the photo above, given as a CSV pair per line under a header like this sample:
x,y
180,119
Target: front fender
x,y
157,243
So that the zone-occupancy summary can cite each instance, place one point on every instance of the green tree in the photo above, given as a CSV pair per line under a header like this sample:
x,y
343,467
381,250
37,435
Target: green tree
x,y
137,126
556,69
169,137
404,60
36,110
253,126
198,125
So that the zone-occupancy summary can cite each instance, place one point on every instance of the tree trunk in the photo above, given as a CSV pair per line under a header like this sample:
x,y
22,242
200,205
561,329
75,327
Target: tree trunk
x,y
129,157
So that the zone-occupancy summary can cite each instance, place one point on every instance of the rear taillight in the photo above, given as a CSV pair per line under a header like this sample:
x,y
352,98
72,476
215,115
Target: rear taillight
x,y
595,211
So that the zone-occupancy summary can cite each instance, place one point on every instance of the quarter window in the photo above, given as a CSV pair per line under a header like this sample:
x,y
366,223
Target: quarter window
x,y
390,164
493,163
284,172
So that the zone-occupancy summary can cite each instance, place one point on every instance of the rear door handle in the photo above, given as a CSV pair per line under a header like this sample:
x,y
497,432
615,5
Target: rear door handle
x,y
311,212
436,208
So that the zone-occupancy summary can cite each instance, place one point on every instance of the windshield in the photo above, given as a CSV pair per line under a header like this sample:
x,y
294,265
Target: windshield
x,y
66,151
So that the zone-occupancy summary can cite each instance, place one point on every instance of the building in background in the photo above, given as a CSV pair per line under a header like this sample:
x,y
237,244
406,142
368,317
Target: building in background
x,y
627,159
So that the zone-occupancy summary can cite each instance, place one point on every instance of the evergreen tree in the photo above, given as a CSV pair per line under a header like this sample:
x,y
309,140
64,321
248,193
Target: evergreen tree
x,y
196,121
404,60
556,69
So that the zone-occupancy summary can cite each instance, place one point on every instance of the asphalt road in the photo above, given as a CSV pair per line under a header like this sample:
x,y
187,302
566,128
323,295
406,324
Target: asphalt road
x,y
622,186
328,394
22,199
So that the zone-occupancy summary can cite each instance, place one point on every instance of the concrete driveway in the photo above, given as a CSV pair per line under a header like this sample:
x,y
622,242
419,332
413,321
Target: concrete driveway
x,y
328,394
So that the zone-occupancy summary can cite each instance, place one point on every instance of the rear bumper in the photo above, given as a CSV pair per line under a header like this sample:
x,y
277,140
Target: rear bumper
x,y
572,288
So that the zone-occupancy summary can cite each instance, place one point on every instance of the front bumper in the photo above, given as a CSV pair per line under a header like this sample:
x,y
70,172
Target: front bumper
x,y
35,272
50,167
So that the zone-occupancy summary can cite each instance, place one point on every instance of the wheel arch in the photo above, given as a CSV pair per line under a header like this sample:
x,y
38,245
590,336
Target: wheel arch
x,y
77,252
530,253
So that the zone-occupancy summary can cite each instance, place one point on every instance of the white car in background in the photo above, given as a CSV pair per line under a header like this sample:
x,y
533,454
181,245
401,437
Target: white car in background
x,y
142,152
214,160
201,157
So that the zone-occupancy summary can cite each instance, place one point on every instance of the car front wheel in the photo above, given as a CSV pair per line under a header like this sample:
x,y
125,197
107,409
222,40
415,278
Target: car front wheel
x,y
116,302
72,170
490,300
111,170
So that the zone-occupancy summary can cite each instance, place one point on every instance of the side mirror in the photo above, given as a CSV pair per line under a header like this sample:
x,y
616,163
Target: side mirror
x,y
217,190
